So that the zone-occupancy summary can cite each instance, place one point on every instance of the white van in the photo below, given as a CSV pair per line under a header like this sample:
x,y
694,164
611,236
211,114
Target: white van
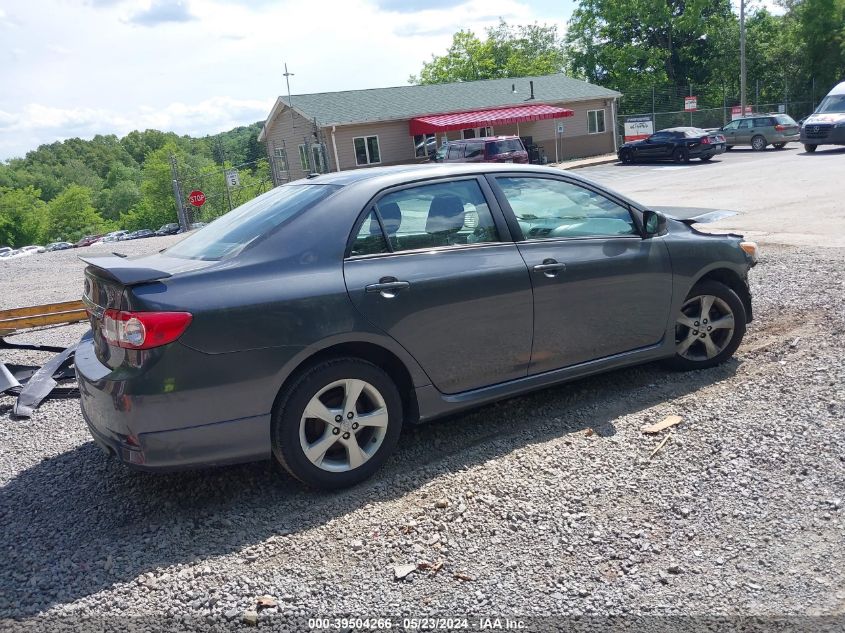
x,y
826,126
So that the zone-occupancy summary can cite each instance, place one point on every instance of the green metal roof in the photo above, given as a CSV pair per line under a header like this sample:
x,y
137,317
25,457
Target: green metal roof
x,y
406,102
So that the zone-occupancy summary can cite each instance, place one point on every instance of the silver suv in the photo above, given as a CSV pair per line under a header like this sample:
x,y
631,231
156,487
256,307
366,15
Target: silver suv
x,y
761,130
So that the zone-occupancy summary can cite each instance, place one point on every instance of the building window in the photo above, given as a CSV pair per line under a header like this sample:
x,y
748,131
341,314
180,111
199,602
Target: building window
x,y
304,163
424,145
281,159
319,157
595,121
468,133
366,150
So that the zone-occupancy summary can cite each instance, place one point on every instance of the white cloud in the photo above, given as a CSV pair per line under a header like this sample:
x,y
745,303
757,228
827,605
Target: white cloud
x,y
222,69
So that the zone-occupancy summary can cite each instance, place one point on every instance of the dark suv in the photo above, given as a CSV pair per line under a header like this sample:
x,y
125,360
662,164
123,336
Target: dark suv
x,y
489,149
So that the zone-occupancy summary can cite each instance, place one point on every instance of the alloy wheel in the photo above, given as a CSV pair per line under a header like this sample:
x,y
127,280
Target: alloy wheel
x,y
704,328
758,143
343,425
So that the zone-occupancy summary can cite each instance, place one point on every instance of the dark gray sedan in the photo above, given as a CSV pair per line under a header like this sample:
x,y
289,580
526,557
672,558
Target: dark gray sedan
x,y
314,321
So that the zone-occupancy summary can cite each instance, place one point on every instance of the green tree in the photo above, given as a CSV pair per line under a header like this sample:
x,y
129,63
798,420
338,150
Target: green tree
x,y
22,216
71,214
624,43
821,31
506,51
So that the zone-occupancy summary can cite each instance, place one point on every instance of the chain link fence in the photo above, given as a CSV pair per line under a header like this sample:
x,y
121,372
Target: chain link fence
x,y
667,105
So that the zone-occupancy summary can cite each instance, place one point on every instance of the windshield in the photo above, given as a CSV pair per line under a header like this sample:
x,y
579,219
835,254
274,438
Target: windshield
x,y
229,234
832,103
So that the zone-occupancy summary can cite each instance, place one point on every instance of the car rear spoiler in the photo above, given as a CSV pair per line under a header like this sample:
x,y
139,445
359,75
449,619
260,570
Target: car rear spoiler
x,y
694,215
124,271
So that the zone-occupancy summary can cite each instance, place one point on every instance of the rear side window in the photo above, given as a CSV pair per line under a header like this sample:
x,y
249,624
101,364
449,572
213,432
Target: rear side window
x,y
763,122
451,213
504,147
229,234
370,238
553,209
455,151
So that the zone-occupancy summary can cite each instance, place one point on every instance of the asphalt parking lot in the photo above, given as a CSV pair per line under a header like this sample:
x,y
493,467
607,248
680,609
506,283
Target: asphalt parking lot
x,y
553,505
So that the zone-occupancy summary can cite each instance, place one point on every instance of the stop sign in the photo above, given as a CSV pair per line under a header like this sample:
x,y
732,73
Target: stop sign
x,y
197,198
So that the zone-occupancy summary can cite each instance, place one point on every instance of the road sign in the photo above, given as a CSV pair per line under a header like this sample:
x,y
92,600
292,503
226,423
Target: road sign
x,y
233,178
197,198
560,128
638,127
736,111
690,103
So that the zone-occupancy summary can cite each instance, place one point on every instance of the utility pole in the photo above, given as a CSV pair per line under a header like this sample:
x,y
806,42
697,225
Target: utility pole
x,y
290,103
742,98
177,194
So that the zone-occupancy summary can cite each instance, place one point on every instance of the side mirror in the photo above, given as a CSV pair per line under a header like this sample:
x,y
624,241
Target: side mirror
x,y
654,223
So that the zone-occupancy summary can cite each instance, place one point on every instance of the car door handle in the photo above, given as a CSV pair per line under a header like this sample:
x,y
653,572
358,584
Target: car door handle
x,y
388,287
549,267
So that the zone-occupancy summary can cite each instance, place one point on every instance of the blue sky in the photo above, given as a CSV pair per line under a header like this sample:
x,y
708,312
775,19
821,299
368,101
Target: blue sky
x,y
85,67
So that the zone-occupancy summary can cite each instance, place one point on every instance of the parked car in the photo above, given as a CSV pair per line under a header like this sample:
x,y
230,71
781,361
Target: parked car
x,y
826,126
114,236
488,149
137,235
324,343
5,250
169,229
88,240
34,249
58,246
674,143
761,130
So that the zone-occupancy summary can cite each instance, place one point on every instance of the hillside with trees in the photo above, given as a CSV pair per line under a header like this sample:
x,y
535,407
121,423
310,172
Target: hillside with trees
x,y
68,189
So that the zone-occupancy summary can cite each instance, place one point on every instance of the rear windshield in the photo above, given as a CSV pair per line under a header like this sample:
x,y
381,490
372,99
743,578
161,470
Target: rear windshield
x,y
785,119
503,147
832,103
229,234
693,132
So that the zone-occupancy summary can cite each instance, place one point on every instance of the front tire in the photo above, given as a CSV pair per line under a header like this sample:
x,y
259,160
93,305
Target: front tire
x,y
758,143
709,327
679,155
625,157
337,423
810,148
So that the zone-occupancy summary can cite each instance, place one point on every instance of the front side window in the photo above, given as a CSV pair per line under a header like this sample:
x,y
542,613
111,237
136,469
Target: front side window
x,y
595,121
424,145
745,124
303,158
455,151
229,234
732,125
474,150
451,213
552,209
366,150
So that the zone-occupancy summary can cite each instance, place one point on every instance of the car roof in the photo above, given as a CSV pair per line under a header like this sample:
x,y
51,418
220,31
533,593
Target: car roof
x,y
838,89
407,173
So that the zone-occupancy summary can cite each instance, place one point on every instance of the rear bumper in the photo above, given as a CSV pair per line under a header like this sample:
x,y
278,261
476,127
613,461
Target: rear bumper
x,y
144,433
707,150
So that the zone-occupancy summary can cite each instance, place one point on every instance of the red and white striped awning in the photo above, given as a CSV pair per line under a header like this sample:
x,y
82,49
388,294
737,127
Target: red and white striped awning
x,y
434,123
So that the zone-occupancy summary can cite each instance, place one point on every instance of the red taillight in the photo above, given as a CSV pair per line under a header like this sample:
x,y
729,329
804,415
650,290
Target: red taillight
x,y
705,140
143,330
780,128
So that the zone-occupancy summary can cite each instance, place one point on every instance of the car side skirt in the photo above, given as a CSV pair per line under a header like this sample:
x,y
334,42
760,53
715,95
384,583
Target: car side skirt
x,y
433,404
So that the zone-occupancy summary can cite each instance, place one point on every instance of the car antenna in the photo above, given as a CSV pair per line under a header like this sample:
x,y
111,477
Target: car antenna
x,y
119,255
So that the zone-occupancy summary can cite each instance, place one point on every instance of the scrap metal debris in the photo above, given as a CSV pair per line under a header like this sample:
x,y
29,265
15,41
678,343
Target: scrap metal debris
x,y
42,382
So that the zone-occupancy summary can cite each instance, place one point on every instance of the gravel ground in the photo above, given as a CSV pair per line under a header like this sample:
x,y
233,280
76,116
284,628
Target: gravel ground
x,y
548,504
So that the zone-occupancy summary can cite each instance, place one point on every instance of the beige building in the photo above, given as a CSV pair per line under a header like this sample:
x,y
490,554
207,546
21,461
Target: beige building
x,y
334,131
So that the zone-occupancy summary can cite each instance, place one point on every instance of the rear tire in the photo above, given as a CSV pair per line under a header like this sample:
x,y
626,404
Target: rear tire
x,y
709,327
728,148
704,159
337,423
758,143
779,145
810,148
